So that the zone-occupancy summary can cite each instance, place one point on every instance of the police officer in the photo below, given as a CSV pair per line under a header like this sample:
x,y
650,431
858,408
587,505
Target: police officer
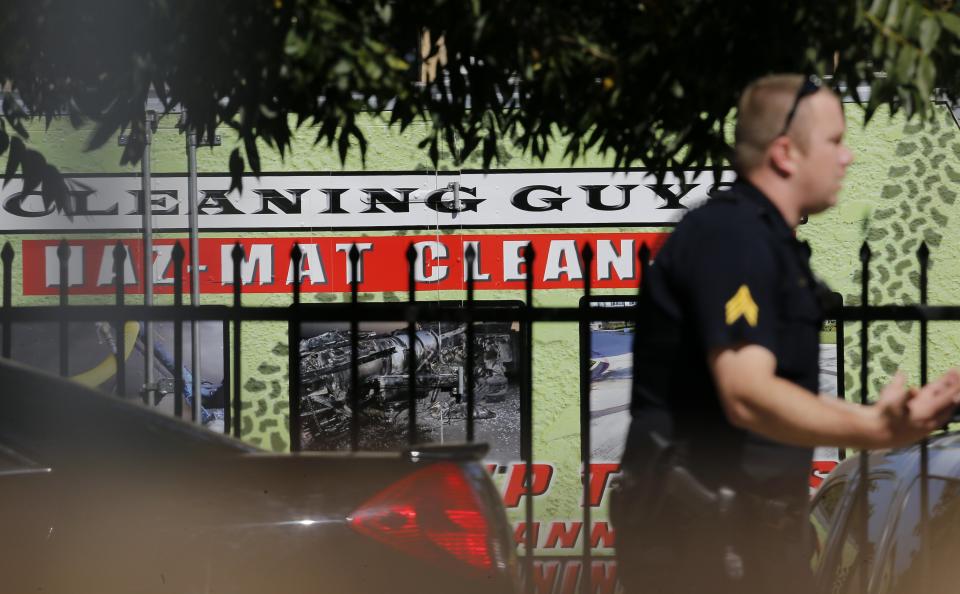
x,y
725,398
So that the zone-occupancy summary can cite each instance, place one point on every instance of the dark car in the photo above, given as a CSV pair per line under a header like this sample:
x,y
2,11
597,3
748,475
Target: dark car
x,y
891,561
102,495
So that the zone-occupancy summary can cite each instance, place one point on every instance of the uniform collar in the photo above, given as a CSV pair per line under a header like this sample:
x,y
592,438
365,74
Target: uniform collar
x,y
768,210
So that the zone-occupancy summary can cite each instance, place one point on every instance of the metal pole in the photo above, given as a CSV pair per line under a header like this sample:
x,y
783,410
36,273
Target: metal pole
x,y
526,422
923,257
147,215
194,268
586,554
863,485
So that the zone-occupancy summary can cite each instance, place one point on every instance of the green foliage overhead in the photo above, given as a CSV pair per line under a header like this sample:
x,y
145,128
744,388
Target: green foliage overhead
x,y
650,82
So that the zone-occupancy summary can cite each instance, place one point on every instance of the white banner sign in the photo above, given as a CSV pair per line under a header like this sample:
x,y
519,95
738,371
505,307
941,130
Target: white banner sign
x,y
368,201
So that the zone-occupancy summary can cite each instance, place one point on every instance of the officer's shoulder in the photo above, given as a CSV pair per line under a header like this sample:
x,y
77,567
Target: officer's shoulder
x,y
724,212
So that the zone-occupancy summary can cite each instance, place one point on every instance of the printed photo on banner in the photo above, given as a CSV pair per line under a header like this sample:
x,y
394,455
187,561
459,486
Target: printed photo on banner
x,y
611,375
92,349
384,353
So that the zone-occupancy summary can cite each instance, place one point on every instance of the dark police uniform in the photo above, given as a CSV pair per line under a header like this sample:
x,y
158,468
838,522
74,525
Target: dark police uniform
x,y
731,273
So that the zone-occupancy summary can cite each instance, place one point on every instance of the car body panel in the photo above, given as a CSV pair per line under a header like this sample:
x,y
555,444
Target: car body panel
x,y
98,494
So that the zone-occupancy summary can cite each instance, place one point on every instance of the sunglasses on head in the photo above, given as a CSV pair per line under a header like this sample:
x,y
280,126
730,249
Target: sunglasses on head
x,y
810,86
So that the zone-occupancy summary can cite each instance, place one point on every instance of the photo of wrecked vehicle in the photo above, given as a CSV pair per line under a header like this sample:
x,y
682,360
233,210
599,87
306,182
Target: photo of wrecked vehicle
x,y
440,349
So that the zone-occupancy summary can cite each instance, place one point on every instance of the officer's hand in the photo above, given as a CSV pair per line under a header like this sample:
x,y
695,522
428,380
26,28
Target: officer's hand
x,y
908,415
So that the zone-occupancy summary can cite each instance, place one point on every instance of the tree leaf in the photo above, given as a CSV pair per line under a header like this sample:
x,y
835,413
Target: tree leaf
x,y
950,22
104,131
894,12
54,191
926,75
253,154
879,8
14,114
911,18
33,167
905,65
929,34
14,158
236,171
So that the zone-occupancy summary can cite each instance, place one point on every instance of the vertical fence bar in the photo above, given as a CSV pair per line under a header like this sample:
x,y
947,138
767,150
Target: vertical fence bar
x,y
119,260
238,255
841,365
586,563
63,254
643,254
412,343
225,361
6,255
862,492
354,349
178,384
293,351
526,418
194,242
149,385
923,259
469,257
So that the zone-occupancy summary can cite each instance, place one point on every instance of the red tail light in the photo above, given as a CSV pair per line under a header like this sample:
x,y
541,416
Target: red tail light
x,y
432,514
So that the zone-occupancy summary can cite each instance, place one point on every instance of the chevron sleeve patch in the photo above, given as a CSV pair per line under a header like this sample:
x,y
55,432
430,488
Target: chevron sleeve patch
x,y
742,305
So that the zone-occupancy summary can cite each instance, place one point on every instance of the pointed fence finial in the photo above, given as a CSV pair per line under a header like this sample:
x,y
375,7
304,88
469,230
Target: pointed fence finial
x,y
119,257
354,257
178,253
119,254
469,260
529,253
63,250
923,254
237,253
411,275
587,252
7,253
644,254
865,253
296,255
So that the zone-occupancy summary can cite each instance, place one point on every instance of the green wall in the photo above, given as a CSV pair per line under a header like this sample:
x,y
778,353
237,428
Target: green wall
x,y
901,189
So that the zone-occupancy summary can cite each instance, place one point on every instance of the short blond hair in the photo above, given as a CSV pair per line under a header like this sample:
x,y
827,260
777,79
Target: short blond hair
x,y
761,114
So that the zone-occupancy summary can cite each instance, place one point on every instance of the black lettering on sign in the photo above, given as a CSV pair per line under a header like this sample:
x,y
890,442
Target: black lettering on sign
x,y
666,192
282,203
521,199
435,201
595,198
158,198
386,198
333,195
14,205
81,205
216,199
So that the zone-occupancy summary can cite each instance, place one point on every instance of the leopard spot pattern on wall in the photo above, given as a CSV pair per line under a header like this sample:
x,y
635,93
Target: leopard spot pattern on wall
x,y
914,205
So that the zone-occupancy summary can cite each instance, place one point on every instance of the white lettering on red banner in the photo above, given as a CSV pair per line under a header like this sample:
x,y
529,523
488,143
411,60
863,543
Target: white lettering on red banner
x,y
324,267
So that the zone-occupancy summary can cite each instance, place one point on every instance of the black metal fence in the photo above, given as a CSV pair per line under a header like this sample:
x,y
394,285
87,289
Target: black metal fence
x,y
414,312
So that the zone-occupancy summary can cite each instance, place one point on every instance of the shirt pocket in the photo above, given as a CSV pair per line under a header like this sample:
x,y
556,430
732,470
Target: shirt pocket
x,y
798,334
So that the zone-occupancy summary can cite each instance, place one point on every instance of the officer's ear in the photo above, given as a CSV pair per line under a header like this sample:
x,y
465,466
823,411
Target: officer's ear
x,y
781,156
